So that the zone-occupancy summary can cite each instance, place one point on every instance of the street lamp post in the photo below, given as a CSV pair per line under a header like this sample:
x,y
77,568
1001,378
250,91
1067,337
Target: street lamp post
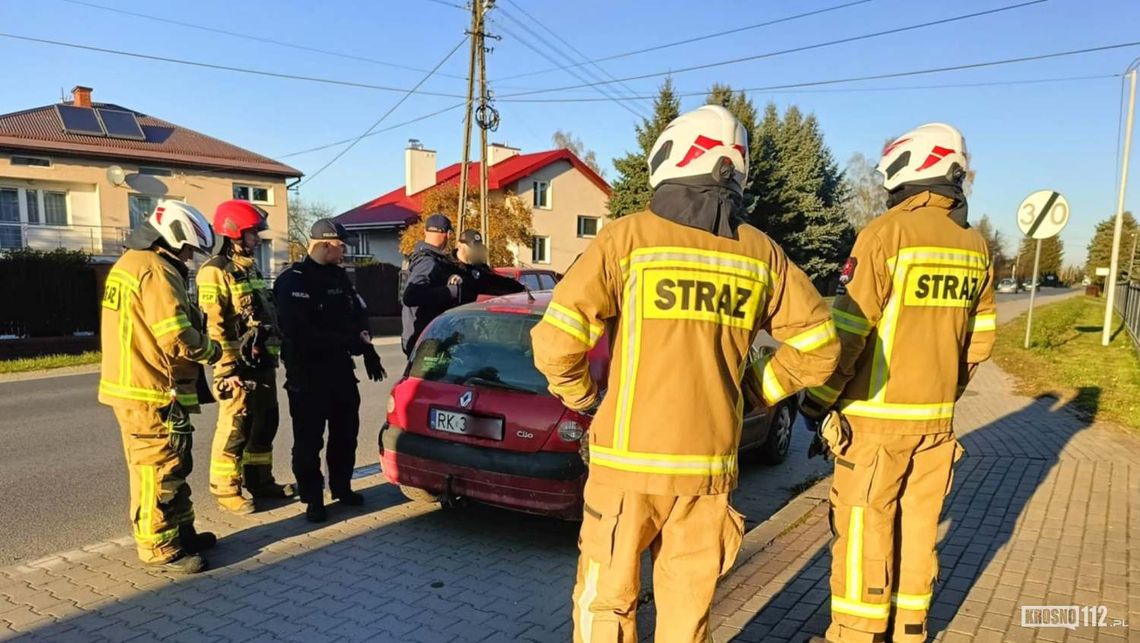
x,y
1114,260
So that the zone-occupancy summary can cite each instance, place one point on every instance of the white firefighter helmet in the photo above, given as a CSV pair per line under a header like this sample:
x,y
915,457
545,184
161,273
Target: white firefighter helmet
x,y
707,141
927,153
182,225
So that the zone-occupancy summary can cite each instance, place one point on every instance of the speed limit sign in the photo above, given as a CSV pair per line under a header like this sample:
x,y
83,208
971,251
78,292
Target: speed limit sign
x,y
1042,214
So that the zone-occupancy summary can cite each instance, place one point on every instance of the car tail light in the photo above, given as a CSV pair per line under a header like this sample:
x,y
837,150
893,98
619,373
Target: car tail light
x,y
569,430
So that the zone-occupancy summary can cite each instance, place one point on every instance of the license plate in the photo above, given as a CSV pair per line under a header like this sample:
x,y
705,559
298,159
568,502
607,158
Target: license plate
x,y
464,424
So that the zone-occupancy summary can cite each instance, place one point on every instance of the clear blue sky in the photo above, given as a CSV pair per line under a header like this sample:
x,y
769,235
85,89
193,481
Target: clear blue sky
x,y
1022,137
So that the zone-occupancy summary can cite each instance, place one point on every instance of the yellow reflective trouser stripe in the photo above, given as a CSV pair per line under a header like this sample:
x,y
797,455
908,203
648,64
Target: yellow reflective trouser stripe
x,y
850,323
888,411
983,322
913,602
771,388
823,393
589,593
572,323
860,609
144,394
257,458
170,325
223,468
854,563
814,337
668,464
148,501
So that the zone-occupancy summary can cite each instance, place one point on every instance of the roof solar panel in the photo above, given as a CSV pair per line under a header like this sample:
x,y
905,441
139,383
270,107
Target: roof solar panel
x,y
121,124
79,120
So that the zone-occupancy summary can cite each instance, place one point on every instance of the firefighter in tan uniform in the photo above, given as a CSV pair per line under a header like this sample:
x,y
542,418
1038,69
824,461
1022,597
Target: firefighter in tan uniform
x,y
916,318
241,315
683,290
154,344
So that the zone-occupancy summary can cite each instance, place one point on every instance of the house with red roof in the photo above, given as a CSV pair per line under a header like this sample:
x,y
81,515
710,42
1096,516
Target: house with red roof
x,y
80,174
567,197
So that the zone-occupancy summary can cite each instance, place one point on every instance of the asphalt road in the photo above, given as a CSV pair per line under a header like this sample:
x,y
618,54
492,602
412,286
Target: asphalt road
x,y
63,484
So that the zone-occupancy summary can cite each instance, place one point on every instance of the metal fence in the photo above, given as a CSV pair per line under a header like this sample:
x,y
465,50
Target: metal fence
x,y
1128,307
94,240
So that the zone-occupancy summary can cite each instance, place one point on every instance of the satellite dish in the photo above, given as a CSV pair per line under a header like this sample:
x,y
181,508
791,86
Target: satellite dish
x,y
116,175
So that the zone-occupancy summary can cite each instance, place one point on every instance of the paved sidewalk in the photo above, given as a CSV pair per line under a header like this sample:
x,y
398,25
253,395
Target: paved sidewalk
x,y
1045,510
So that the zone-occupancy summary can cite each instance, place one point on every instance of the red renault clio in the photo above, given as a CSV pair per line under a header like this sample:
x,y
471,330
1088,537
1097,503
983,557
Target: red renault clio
x,y
472,417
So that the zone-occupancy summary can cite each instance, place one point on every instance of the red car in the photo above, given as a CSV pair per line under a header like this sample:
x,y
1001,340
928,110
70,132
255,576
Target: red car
x,y
472,417
535,279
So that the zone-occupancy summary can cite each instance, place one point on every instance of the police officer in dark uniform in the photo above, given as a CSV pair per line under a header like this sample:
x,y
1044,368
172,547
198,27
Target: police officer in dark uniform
x,y
478,277
325,325
433,283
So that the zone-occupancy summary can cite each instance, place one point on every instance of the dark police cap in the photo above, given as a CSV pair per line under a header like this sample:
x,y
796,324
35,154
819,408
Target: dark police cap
x,y
437,223
327,229
471,237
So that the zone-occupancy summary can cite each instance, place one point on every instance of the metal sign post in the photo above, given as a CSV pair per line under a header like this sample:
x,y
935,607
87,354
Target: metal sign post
x,y
1032,293
1040,216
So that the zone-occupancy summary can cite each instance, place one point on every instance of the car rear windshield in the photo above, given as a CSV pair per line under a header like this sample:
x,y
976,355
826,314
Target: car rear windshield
x,y
481,349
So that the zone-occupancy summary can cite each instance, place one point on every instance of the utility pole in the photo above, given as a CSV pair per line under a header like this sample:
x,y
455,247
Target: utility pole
x,y
476,45
481,117
1114,263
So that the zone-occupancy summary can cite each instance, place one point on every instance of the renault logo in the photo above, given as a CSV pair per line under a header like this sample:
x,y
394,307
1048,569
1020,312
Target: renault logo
x,y
467,399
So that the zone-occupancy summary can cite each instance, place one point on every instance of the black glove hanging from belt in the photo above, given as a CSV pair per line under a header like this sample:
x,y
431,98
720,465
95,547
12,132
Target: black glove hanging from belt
x,y
252,350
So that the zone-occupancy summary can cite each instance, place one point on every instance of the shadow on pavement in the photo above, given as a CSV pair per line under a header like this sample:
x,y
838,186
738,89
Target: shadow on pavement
x,y
1006,461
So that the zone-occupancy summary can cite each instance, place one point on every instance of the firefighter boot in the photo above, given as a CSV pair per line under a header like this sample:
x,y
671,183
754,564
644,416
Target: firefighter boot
x,y
183,564
195,542
239,504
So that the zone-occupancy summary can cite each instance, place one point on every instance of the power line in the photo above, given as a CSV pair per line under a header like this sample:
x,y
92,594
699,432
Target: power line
x,y
772,54
379,131
607,94
448,4
255,38
588,63
717,34
240,70
835,81
391,109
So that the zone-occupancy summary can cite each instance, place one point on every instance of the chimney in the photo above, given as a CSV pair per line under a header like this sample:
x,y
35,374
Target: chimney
x,y
81,96
419,168
497,152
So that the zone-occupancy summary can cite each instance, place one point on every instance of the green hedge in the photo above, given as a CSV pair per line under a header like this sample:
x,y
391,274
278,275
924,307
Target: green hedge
x,y
47,294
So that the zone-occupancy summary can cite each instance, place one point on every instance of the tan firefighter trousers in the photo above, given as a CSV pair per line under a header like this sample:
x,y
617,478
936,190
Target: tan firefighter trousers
x,y
693,540
158,445
242,450
886,498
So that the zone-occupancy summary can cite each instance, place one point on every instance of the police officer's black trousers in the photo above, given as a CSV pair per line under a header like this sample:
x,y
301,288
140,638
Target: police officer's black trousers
x,y
338,407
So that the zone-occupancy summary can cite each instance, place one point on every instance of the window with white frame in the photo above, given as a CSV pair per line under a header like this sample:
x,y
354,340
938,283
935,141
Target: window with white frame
x,y
10,233
140,206
55,208
155,171
32,204
361,245
587,227
540,250
541,190
253,193
31,161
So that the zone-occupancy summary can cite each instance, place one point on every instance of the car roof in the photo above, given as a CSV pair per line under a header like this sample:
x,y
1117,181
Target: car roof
x,y
533,303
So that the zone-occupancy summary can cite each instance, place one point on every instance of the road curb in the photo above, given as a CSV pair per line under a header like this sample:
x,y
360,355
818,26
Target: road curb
x,y
62,371
787,518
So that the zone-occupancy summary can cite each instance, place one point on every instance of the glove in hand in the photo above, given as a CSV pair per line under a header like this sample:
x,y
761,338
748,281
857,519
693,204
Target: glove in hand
x,y
373,366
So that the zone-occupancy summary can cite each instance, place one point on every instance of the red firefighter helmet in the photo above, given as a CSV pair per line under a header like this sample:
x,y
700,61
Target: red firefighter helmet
x,y
234,217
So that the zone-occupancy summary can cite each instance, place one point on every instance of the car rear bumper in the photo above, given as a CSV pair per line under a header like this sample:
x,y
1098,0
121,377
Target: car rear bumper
x,y
544,483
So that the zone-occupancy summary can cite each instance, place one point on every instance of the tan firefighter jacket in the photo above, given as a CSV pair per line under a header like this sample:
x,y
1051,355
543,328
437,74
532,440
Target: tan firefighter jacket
x,y
152,336
682,308
236,298
918,315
